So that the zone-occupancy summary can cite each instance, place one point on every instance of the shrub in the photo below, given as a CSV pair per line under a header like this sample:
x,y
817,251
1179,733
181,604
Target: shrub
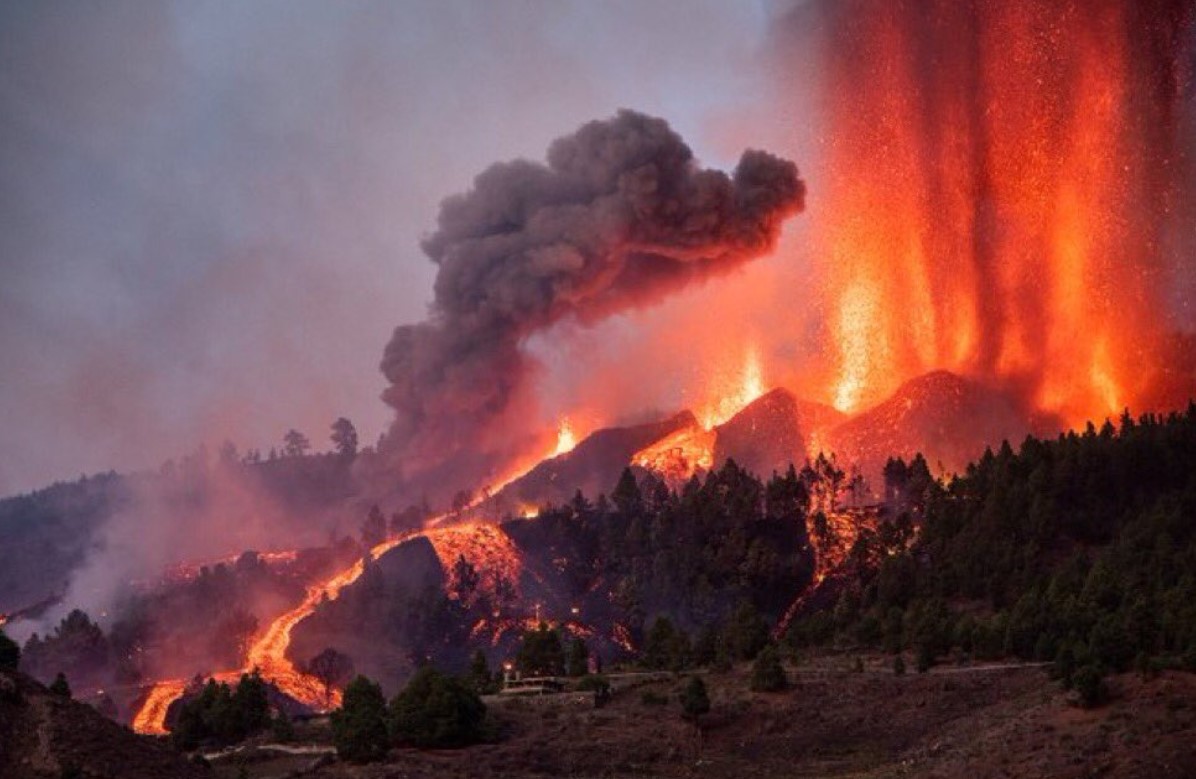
x,y
10,653
1089,682
694,700
359,725
435,710
767,673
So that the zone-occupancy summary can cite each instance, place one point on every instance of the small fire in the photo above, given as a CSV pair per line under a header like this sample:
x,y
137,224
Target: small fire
x,y
566,439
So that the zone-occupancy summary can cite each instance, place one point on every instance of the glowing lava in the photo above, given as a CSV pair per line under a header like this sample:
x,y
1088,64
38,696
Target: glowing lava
x,y
486,547
678,456
1001,180
151,717
732,394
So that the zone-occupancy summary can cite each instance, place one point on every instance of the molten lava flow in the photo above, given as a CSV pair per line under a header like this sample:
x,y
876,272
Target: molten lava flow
x,y
486,547
679,456
999,182
151,717
268,654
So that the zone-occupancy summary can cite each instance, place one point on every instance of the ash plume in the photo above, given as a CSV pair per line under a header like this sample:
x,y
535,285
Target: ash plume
x,y
619,217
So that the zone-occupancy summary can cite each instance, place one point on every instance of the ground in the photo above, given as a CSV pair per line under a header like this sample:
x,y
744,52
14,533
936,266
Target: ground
x,y
973,722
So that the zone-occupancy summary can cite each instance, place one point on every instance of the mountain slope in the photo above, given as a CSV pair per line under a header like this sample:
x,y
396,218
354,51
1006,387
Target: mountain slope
x,y
43,735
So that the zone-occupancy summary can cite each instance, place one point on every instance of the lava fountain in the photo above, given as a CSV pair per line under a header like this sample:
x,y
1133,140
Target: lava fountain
x,y
1000,179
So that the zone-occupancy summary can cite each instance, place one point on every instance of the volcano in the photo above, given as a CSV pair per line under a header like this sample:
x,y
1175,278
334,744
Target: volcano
x,y
948,418
592,466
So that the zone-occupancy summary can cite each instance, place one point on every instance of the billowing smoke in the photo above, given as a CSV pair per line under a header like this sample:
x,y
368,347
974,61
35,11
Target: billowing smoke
x,y
620,216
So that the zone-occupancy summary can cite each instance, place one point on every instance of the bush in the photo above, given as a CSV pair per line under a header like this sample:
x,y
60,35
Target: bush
x,y
767,673
10,653
359,725
1089,682
220,715
435,710
899,665
694,700
597,684
60,686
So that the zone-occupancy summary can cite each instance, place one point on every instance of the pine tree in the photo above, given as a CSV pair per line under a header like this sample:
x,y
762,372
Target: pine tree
x,y
10,653
359,725
435,710
59,686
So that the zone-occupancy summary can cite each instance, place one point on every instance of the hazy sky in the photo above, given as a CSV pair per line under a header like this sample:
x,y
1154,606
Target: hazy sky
x,y
209,211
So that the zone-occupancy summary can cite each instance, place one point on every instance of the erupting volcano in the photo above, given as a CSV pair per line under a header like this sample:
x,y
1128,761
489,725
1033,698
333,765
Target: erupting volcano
x,y
1006,196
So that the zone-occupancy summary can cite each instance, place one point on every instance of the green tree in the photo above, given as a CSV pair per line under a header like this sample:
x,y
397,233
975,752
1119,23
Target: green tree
x,y
767,673
626,495
746,633
694,701
10,653
541,653
1089,682
344,438
435,710
59,686
359,726
480,677
578,661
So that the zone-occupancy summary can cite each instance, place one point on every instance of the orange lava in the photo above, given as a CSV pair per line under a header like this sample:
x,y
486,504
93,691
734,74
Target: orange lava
x,y
680,455
996,189
151,717
484,546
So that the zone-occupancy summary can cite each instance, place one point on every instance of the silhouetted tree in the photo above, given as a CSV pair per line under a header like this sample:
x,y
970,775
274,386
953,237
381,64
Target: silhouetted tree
x,y
344,438
359,730
295,444
541,653
59,686
332,668
373,530
10,653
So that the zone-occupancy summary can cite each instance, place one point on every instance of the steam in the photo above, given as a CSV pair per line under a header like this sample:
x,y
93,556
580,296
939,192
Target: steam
x,y
620,217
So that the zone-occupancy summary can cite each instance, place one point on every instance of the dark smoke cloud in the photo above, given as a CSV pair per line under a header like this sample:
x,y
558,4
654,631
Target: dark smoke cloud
x,y
619,217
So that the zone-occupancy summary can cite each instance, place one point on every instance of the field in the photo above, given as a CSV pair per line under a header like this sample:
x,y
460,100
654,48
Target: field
x,y
833,721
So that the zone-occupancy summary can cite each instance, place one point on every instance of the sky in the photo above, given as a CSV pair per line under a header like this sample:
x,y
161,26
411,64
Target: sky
x,y
210,211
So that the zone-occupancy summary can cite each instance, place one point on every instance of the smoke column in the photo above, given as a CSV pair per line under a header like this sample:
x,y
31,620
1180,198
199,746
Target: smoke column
x,y
1006,194
619,217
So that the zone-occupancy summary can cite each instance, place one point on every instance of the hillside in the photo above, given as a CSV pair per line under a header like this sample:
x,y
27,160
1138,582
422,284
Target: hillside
x,y
45,735
982,722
